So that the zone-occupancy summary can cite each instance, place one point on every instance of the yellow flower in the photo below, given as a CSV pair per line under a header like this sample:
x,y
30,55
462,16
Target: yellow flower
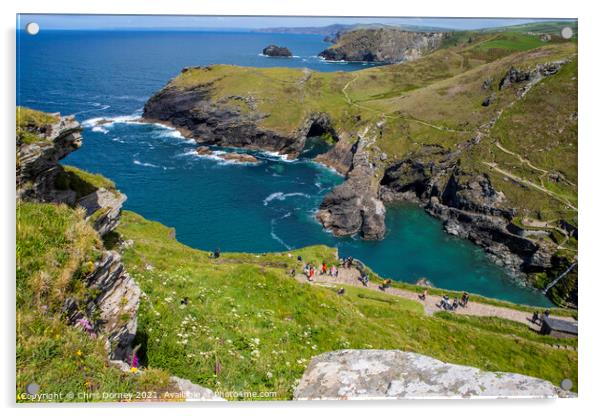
x,y
134,369
79,353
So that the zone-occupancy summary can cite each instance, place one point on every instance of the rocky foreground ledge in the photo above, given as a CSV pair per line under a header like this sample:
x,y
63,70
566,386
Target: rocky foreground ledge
x,y
394,374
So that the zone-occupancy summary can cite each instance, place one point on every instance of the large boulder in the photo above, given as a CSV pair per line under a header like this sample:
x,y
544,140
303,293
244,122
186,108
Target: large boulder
x,y
394,374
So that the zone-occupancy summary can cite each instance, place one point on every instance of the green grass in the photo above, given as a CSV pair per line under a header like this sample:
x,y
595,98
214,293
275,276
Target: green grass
x,y
31,123
247,314
55,249
82,182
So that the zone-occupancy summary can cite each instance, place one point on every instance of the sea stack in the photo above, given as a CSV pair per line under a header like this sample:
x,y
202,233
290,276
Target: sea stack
x,y
277,51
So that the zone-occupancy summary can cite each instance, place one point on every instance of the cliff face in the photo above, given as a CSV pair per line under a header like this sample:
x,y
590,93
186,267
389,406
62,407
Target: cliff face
x,y
37,161
214,123
386,45
38,174
393,374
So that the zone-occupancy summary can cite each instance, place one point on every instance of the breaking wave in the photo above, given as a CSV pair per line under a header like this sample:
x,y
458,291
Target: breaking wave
x,y
281,196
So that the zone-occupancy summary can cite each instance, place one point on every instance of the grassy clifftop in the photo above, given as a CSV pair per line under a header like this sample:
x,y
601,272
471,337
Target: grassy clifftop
x,y
56,248
249,326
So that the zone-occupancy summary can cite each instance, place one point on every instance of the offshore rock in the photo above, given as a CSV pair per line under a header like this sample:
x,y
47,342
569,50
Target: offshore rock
x,y
394,374
277,51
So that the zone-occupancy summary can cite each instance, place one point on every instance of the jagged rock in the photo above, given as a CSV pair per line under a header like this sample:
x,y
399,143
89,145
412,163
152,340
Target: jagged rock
x,y
387,45
239,157
394,374
212,123
37,163
488,100
193,392
277,51
354,206
204,150
514,76
117,301
105,207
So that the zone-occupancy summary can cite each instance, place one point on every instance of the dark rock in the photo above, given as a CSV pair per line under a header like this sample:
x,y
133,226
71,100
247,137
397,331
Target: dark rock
x,y
488,100
355,206
277,51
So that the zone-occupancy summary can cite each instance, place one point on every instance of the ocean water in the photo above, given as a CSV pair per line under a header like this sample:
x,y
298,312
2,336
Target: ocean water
x,y
268,206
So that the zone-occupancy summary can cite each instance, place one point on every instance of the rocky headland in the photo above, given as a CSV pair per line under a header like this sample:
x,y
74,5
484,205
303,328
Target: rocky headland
x,y
277,51
386,45
388,155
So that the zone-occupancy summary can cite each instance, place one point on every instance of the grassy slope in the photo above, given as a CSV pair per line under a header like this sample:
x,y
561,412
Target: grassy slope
x,y
82,182
260,327
55,248
30,123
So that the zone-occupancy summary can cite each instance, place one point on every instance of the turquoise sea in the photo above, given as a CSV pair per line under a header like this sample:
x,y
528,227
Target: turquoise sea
x,y
269,206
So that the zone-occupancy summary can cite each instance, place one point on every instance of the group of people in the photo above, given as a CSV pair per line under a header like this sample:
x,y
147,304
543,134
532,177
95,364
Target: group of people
x,y
446,304
310,271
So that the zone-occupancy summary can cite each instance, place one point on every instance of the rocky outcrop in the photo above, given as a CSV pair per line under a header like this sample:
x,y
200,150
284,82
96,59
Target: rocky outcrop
x,y
467,204
115,305
116,294
211,122
37,162
103,208
227,156
386,45
277,51
394,374
354,206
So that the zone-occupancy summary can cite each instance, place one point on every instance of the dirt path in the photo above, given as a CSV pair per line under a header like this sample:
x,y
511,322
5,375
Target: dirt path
x,y
350,277
529,183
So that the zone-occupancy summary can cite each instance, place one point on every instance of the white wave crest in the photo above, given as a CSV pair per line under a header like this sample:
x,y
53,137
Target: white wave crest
x,y
281,196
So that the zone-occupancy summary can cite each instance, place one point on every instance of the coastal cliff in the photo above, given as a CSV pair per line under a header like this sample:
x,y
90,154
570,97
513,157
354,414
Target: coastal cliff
x,y
41,178
67,277
385,45
453,131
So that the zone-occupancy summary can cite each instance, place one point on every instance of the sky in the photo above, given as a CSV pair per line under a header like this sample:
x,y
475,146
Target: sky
x,y
97,22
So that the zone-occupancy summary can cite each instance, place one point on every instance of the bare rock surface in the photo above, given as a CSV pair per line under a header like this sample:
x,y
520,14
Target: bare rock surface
x,y
394,374
193,392
105,206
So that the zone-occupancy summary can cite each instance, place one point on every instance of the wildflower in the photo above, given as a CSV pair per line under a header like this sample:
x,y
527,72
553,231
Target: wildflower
x,y
134,369
256,341
79,353
314,347
269,374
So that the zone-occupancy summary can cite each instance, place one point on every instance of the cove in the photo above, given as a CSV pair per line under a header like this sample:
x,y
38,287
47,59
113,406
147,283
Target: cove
x,y
268,206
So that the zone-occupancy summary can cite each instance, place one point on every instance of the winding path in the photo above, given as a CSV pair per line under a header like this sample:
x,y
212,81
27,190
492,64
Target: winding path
x,y
351,276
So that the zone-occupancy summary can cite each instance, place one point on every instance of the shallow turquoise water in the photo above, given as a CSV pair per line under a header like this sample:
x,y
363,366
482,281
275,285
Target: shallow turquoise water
x,y
256,208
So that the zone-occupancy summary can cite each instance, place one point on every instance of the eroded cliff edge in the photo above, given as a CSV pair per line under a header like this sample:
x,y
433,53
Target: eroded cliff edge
x,y
445,131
